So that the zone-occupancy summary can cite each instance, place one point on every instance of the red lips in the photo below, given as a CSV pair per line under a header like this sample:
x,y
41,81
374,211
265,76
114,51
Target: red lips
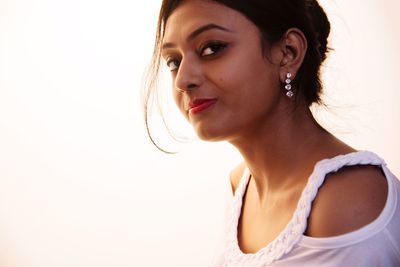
x,y
198,105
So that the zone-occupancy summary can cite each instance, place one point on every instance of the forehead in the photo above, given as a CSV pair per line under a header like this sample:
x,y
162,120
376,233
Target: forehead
x,y
192,14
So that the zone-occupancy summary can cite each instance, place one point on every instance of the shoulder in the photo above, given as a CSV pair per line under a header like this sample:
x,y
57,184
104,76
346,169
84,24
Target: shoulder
x,y
348,200
236,175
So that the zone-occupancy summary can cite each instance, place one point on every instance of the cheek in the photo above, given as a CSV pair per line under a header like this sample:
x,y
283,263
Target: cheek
x,y
179,101
242,68
249,90
243,80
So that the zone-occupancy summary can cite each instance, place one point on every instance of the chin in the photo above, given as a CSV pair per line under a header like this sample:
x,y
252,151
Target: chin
x,y
211,138
211,135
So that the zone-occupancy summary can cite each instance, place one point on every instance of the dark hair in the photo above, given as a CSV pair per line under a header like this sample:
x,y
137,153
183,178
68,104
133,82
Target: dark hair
x,y
273,18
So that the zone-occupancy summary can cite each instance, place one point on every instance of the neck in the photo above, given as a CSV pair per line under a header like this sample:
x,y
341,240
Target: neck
x,y
283,151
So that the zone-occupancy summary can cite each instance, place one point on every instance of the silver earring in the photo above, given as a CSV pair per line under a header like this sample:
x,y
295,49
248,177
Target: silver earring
x,y
288,86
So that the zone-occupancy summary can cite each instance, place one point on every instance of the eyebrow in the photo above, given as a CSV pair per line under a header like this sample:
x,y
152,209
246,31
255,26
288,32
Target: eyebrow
x,y
197,32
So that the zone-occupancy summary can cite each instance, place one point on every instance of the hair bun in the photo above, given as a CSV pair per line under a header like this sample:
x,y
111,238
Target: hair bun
x,y
321,25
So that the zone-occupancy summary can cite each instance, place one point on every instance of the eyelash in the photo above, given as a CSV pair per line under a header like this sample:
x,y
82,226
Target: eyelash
x,y
215,46
175,61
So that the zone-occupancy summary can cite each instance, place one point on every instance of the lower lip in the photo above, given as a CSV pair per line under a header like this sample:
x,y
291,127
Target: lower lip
x,y
202,107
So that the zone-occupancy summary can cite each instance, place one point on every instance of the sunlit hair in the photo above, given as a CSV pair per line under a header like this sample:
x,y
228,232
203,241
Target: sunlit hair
x,y
273,18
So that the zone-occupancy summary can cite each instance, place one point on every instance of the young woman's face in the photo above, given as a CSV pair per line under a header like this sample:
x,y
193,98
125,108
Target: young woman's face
x,y
222,82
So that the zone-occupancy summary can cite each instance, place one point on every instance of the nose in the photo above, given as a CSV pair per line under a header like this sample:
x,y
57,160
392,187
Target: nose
x,y
189,75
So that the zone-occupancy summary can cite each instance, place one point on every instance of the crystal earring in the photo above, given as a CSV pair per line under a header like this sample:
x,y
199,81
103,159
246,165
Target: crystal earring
x,y
288,86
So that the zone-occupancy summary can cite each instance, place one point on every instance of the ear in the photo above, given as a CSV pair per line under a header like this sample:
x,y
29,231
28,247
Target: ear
x,y
293,48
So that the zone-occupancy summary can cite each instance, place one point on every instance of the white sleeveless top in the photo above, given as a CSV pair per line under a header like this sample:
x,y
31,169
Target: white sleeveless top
x,y
374,245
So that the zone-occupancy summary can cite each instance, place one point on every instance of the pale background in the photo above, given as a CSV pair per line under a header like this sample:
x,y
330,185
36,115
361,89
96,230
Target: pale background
x,y
81,185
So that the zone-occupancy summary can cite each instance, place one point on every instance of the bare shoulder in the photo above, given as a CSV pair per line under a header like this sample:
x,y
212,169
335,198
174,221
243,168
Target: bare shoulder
x,y
348,200
236,174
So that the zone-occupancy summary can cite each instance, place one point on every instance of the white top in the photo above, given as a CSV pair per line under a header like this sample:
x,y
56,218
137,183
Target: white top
x,y
376,244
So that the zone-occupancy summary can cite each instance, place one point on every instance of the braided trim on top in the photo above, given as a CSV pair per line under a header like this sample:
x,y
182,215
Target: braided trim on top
x,y
294,230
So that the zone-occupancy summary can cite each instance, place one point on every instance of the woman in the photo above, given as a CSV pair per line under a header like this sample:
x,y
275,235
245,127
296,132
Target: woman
x,y
247,72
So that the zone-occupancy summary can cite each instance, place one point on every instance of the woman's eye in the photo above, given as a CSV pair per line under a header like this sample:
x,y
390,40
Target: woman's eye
x,y
212,48
173,64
